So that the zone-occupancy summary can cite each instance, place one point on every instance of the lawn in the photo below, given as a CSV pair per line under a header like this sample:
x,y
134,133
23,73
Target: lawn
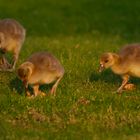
x,y
86,106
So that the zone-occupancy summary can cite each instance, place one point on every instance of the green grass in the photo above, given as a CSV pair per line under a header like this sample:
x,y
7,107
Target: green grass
x,y
86,106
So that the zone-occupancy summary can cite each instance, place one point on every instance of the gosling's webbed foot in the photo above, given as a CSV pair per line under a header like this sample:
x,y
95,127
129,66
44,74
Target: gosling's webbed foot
x,y
7,70
39,94
28,94
42,94
129,87
31,97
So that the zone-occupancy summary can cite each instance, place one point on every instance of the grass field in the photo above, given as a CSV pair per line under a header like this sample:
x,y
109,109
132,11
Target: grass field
x,y
86,106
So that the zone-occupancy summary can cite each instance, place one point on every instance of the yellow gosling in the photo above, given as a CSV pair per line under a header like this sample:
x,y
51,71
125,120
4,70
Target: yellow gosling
x,y
12,36
126,63
40,68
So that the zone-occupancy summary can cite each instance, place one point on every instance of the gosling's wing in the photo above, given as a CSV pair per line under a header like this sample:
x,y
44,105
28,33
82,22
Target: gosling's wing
x,y
54,64
12,28
131,53
45,61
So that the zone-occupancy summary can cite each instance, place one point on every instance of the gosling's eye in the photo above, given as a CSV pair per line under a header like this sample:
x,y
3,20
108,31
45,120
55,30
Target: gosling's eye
x,y
106,61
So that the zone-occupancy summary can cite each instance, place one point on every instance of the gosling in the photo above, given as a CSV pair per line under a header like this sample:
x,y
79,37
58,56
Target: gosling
x,y
126,63
12,36
40,68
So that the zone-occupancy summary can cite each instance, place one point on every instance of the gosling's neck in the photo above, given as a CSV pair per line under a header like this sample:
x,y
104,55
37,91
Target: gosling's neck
x,y
116,67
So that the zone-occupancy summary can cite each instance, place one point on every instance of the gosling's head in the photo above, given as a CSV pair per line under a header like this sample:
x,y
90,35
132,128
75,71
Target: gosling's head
x,y
107,60
24,71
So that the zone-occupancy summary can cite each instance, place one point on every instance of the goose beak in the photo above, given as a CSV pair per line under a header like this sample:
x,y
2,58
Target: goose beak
x,y
101,68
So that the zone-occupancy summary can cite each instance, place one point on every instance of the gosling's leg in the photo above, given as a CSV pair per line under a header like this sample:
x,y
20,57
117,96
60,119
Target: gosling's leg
x,y
15,59
124,82
26,89
11,67
4,64
36,90
53,90
25,83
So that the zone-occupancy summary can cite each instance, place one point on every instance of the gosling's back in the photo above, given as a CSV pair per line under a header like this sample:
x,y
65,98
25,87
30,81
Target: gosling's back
x,y
11,28
46,68
45,61
131,54
130,59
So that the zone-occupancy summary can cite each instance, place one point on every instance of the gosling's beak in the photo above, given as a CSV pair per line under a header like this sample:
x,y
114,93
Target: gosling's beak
x,y
101,68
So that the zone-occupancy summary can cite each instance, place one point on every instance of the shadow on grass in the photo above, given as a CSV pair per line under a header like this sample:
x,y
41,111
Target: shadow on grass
x,y
106,76
109,77
46,88
18,86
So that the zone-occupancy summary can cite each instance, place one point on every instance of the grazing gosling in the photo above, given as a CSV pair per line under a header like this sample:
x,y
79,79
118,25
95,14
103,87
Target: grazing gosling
x,y
126,63
12,36
40,68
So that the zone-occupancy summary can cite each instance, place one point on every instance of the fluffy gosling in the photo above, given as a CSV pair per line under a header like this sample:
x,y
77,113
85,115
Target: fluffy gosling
x,y
40,68
126,63
12,36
